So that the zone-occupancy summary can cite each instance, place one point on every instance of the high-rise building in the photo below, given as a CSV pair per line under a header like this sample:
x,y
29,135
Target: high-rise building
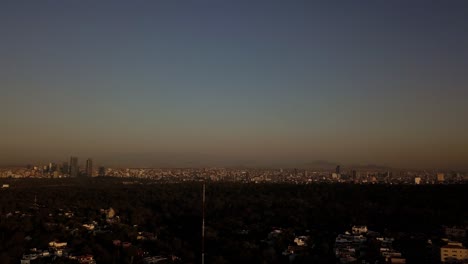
x,y
53,167
65,168
440,177
417,180
354,175
338,169
74,169
89,167
102,171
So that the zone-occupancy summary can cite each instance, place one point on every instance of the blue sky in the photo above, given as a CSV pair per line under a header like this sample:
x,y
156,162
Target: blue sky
x,y
263,81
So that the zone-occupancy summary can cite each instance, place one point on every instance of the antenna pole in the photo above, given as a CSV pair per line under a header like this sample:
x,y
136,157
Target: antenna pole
x,y
203,227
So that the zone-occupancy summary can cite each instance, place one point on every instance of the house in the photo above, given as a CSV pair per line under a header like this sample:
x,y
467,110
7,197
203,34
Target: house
x,y
86,259
275,233
55,244
359,230
88,227
397,260
30,256
301,240
153,260
69,214
146,236
126,244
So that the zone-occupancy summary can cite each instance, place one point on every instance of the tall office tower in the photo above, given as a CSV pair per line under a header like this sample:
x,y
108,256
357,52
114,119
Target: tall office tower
x,y
102,171
337,171
65,168
440,177
74,170
52,167
89,167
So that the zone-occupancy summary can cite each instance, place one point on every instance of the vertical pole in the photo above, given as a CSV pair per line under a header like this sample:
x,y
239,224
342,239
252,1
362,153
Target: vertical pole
x,y
203,227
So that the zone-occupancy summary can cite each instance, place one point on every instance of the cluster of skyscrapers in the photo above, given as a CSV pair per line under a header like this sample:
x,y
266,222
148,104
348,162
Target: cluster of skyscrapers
x,y
73,168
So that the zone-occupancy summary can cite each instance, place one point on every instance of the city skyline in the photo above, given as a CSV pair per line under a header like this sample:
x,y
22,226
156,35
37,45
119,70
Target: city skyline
x,y
235,83
87,168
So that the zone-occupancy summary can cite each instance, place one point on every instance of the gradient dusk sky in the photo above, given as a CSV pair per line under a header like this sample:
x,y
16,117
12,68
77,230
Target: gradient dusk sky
x,y
144,83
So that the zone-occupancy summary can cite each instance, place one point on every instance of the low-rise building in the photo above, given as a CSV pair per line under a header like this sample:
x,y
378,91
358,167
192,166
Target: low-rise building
x,y
153,260
86,259
455,232
55,244
453,251
88,227
359,229
301,240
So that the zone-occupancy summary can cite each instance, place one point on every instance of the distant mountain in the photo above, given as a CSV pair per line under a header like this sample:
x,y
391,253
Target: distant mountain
x,y
328,165
372,167
320,164
173,160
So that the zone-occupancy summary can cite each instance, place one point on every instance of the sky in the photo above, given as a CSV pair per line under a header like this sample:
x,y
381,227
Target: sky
x,y
153,83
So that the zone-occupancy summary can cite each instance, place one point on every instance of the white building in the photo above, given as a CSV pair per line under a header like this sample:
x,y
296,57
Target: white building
x,y
417,180
301,240
88,227
359,229
55,244
453,251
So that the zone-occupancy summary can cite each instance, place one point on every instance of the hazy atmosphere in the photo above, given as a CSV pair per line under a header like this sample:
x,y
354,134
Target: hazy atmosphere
x,y
191,83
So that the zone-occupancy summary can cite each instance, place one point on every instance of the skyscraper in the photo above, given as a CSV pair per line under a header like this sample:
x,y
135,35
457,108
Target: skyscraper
x,y
74,170
354,175
89,167
440,177
65,168
337,169
102,171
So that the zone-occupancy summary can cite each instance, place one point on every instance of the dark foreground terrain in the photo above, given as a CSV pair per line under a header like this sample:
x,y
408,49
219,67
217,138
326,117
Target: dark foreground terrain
x,y
165,219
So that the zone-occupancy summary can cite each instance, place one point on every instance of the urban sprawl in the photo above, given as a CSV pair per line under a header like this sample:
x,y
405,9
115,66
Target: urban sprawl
x,y
243,175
